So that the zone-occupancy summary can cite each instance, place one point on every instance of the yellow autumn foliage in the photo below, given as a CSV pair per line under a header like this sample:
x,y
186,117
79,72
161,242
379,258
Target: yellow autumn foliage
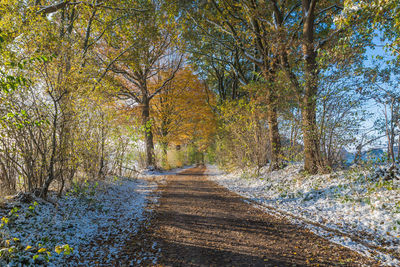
x,y
182,113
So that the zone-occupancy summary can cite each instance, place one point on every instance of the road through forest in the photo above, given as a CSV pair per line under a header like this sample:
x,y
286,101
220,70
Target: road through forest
x,y
199,223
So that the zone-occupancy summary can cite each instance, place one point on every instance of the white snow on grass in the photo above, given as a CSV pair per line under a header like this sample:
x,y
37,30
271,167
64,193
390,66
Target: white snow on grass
x,y
95,220
348,202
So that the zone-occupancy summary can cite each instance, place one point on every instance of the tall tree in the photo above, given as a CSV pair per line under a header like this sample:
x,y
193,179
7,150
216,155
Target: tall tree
x,y
247,25
307,24
181,112
135,52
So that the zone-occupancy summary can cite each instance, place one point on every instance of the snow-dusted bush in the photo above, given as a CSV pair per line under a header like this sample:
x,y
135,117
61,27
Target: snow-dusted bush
x,y
57,232
386,173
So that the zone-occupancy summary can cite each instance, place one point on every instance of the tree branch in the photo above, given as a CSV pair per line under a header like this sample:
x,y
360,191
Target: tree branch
x,y
56,7
166,82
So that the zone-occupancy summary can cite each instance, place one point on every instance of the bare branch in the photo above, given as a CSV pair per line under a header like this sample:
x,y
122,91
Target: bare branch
x,y
166,82
112,62
56,7
329,8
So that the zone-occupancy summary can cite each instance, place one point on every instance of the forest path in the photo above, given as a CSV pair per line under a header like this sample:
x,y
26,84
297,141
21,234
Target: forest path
x,y
199,223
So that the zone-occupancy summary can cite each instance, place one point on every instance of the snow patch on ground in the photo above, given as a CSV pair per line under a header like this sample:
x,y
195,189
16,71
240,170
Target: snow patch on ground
x,y
95,221
350,203
154,173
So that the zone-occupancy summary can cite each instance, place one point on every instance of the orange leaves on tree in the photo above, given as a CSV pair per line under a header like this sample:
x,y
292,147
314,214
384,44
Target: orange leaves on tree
x,y
182,113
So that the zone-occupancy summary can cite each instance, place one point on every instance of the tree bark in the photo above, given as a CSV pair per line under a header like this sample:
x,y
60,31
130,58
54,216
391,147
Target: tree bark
x,y
273,131
102,147
392,128
164,147
150,156
398,149
312,155
50,172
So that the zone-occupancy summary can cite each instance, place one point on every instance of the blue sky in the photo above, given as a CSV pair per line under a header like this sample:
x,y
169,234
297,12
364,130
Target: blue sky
x,y
372,106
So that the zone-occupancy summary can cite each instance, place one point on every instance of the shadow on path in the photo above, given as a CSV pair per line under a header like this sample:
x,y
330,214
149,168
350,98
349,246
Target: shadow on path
x,y
199,223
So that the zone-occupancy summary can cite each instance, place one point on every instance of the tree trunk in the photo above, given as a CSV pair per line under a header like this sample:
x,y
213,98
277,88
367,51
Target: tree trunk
x,y
164,147
312,155
312,159
50,172
273,131
150,157
102,146
392,128
398,149
60,191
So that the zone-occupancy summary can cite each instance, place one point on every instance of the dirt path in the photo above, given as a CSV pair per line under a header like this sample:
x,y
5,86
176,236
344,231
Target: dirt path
x,y
199,223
